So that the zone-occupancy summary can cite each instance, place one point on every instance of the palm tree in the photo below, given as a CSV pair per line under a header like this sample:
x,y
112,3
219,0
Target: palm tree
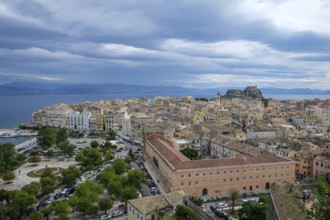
x,y
233,198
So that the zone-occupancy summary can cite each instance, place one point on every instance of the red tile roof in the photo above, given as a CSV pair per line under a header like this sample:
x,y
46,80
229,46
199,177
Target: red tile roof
x,y
181,162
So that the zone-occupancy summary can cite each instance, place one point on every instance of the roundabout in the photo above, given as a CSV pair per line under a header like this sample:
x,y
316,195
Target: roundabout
x,y
38,172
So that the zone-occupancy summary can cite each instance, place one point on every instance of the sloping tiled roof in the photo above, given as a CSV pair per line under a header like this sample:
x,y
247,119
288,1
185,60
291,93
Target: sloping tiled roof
x,y
181,162
151,203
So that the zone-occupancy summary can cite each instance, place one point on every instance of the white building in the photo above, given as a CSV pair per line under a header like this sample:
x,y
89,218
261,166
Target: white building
x,y
78,121
126,125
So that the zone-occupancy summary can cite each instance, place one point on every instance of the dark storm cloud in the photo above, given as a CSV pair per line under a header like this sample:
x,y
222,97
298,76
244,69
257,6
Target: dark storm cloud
x,y
189,43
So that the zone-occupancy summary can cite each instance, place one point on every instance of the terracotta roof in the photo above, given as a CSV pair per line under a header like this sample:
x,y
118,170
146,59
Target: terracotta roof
x,y
151,203
181,162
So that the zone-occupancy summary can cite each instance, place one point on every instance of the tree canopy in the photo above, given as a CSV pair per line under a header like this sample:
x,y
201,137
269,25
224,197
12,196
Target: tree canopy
x,y
192,154
47,137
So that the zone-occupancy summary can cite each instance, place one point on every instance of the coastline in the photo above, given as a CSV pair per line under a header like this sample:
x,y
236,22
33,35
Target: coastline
x,y
11,133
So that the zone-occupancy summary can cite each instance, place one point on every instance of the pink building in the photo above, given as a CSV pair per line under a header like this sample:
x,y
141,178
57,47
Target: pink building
x,y
321,164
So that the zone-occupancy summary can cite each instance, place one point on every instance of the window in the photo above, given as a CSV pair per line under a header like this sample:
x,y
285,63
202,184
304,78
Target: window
x,y
210,173
189,183
270,175
317,163
257,169
203,174
231,179
138,216
189,175
196,174
244,170
211,181
133,211
237,171
182,183
224,172
244,177
224,180
182,176
196,182
217,172
237,178
257,186
129,208
244,188
231,171
250,177
257,177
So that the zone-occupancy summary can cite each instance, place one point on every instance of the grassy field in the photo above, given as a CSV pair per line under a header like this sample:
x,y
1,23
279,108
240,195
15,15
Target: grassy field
x,y
288,202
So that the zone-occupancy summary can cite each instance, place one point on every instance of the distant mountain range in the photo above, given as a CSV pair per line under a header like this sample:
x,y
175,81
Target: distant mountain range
x,y
28,88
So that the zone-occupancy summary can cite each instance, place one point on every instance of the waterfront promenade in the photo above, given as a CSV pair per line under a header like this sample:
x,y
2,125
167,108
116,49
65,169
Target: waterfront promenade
x,y
6,133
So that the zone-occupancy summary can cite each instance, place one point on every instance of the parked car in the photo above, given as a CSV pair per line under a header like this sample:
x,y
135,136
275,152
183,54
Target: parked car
x,y
58,195
222,205
219,213
105,217
116,214
213,208
50,200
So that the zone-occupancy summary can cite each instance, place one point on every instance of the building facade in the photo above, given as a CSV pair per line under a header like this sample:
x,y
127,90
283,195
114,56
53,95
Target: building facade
x,y
175,172
78,121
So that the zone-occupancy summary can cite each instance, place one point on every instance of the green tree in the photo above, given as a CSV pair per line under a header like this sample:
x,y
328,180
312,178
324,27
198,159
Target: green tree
x,y
8,175
47,137
251,210
61,209
47,211
48,172
112,135
61,136
92,210
106,175
47,185
34,159
233,199
120,166
73,201
70,174
90,190
89,158
32,188
104,205
67,148
83,204
128,192
107,144
94,144
8,159
136,177
35,216
192,154
22,201
196,201
182,212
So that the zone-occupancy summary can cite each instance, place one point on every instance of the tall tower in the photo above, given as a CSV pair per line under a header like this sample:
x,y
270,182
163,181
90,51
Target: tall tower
x,y
219,98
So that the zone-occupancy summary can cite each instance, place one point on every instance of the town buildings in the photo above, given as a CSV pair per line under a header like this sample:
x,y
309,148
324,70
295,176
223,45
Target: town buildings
x,y
221,127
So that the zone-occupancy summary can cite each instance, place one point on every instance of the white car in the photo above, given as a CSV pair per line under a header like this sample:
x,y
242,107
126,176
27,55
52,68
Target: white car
x,y
222,205
105,217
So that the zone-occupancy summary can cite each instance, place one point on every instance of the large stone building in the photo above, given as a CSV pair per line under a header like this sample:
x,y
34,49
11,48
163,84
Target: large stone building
x,y
176,172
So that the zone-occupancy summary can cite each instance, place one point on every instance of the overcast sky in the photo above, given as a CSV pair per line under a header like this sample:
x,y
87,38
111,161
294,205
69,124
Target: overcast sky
x,y
192,43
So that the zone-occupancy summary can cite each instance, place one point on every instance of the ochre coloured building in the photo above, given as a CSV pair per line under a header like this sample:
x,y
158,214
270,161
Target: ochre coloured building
x,y
214,177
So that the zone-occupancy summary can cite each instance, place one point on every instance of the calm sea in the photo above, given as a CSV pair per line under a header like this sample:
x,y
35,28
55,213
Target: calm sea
x,y
17,109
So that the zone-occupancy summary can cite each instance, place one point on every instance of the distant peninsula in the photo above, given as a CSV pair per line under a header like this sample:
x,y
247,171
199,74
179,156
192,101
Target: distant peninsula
x,y
30,88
